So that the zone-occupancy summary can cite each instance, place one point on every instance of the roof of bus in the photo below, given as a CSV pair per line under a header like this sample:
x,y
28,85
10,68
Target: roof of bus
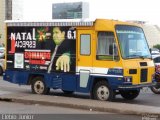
x,y
64,22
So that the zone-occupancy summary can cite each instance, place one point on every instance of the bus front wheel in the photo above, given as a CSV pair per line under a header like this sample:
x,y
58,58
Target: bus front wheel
x,y
102,91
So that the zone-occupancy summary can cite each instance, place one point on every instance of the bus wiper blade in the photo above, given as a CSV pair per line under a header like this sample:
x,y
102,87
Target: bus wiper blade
x,y
136,56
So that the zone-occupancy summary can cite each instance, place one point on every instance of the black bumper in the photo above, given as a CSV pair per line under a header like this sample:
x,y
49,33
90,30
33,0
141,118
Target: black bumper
x,y
136,86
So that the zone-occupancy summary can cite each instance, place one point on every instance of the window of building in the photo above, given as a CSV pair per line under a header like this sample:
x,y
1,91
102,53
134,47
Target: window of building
x,y
8,9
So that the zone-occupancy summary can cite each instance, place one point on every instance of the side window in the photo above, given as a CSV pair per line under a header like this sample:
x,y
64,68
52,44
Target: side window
x,y
105,45
85,47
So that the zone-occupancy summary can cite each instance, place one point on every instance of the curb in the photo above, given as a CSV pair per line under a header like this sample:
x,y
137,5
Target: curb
x,y
87,107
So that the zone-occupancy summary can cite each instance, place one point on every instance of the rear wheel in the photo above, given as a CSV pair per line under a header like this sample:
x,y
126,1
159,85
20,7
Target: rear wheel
x,y
102,91
129,94
38,86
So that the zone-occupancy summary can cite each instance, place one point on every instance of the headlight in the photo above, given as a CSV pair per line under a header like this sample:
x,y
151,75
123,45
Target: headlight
x,y
127,79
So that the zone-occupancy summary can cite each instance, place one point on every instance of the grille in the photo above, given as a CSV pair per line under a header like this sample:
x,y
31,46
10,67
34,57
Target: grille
x,y
133,71
143,63
144,73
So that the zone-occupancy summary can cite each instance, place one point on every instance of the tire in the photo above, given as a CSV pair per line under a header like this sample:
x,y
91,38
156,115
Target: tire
x,y
102,91
38,86
129,94
1,71
156,89
67,92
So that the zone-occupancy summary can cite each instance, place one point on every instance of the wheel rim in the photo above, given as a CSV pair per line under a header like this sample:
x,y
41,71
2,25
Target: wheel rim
x,y
39,87
103,93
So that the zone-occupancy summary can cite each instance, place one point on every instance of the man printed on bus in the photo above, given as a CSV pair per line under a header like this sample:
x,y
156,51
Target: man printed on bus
x,y
62,49
63,60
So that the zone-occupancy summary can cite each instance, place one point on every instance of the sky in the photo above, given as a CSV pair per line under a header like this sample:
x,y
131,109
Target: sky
x,y
141,10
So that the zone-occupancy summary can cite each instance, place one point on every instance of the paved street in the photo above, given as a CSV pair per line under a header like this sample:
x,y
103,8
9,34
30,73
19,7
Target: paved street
x,y
146,103
146,97
40,112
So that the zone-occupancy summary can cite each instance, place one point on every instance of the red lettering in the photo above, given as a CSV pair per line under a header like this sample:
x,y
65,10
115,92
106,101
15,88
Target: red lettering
x,y
37,62
38,55
26,55
48,56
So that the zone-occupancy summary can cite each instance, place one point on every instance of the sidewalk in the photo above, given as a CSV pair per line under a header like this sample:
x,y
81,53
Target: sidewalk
x,y
78,103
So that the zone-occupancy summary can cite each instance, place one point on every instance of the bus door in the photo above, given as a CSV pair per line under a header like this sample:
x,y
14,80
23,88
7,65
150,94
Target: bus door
x,y
84,58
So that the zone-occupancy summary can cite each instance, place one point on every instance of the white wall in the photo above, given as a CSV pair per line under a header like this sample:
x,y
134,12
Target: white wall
x,y
17,9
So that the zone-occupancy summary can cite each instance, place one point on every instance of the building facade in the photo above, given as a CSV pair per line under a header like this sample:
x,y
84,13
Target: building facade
x,y
17,9
2,19
72,10
9,10
152,33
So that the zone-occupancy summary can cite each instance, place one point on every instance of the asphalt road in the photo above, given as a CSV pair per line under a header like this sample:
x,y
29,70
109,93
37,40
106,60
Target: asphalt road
x,y
146,97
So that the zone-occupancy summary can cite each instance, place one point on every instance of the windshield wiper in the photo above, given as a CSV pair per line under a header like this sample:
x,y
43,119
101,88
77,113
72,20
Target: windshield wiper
x,y
136,56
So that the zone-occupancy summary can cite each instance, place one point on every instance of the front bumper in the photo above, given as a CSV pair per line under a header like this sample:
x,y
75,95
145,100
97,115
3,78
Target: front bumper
x,y
136,86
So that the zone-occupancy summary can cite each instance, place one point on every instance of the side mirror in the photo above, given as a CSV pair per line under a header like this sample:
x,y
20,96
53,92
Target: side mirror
x,y
115,52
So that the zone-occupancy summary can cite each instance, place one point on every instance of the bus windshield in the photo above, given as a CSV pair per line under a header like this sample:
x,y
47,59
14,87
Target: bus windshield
x,y
132,42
